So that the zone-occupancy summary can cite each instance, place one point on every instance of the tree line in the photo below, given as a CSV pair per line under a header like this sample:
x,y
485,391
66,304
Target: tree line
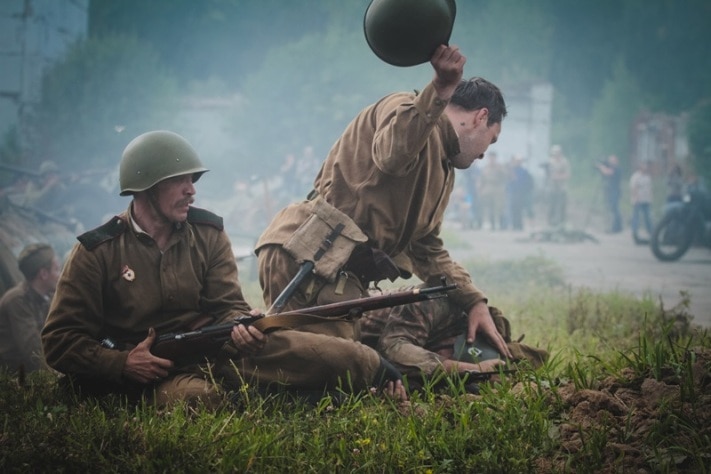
x,y
302,69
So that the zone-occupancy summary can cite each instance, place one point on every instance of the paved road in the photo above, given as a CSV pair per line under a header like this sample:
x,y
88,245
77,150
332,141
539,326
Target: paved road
x,y
615,263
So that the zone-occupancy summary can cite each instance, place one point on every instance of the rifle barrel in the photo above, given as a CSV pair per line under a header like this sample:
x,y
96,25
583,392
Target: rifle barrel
x,y
375,302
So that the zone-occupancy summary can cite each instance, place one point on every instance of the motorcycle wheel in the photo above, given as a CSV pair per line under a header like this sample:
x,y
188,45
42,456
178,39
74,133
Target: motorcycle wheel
x,y
671,238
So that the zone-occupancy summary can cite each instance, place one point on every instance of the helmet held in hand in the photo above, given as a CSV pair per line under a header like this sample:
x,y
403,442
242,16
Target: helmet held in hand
x,y
407,32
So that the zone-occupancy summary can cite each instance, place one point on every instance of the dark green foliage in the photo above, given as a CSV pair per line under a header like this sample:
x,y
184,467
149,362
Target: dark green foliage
x,y
105,92
699,130
187,34
665,44
301,70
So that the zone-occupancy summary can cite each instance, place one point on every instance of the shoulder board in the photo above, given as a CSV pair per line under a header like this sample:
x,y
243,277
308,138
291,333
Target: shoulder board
x,y
112,229
203,216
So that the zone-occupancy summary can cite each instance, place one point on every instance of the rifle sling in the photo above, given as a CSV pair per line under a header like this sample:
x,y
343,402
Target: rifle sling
x,y
293,320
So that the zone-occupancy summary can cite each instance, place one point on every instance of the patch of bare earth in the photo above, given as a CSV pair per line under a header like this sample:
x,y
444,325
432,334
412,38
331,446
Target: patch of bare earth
x,y
637,424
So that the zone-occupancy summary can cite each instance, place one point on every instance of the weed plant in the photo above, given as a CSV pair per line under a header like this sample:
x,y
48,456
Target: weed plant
x,y
514,425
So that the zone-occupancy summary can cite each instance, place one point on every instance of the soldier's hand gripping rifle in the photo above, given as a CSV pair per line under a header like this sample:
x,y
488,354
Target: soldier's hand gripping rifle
x,y
195,346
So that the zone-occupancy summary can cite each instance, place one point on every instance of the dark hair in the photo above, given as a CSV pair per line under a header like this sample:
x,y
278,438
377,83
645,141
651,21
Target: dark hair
x,y
477,93
33,258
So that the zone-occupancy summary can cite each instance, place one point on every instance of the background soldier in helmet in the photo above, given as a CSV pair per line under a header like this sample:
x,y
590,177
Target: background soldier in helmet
x,y
160,266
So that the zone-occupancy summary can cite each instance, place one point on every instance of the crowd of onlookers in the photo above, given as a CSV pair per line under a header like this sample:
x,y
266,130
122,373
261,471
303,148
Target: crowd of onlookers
x,y
641,192
503,195
499,195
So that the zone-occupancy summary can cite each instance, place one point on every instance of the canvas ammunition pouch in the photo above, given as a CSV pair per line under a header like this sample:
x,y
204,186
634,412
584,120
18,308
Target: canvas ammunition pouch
x,y
334,242
327,238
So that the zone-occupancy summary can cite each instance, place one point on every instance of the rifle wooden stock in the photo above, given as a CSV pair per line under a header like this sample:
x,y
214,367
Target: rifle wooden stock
x,y
195,346
205,343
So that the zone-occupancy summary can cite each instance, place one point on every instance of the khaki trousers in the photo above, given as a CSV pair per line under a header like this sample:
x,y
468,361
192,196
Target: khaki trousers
x,y
192,385
315,356
305,360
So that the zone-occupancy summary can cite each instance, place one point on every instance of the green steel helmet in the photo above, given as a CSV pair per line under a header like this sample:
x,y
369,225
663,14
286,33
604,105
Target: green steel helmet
x,y
407,32
155,156
478,351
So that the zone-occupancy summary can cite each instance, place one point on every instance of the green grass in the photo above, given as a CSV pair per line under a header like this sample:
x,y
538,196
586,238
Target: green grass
x,y
517,424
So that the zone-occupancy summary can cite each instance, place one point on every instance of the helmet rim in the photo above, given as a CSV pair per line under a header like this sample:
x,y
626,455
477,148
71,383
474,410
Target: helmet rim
x,y
156,156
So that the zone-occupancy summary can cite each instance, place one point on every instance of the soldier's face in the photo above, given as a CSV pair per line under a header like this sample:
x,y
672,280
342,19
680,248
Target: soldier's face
x,y
173,197
54,272
474,141
475,135
49,276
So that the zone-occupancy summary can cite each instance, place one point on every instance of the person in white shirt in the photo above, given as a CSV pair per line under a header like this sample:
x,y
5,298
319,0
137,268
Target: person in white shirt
x,y
641,195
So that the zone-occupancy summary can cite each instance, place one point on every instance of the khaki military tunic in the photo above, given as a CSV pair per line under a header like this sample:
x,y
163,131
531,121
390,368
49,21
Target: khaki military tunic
x,y
390,173
117,283
22,314
417,338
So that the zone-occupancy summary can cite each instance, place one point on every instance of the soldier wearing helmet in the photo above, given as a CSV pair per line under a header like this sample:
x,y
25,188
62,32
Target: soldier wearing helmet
x,y
160,266
159,169
155,156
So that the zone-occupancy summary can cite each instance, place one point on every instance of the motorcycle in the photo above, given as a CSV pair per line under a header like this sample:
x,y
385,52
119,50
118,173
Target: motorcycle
x,y
683,224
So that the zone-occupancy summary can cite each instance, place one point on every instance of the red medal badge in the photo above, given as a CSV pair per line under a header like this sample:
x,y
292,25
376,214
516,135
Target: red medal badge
x,y
127,273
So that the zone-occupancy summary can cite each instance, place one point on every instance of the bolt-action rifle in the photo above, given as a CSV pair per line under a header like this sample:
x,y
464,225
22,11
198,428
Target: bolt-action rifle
x,y
195,346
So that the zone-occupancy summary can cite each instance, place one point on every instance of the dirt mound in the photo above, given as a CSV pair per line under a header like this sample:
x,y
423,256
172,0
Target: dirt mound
x,y
633,419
